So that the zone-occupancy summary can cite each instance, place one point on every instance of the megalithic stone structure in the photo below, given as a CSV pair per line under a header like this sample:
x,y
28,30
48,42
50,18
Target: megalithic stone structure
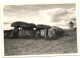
x,y
45,27
24,28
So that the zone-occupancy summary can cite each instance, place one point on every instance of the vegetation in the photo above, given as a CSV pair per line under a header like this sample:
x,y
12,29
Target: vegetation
x,y
65,44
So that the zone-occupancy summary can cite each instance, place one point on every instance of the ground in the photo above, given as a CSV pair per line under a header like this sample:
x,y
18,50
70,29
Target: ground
x,y
62,45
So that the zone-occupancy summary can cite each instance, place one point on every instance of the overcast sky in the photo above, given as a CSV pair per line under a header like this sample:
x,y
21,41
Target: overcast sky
x,y
49,14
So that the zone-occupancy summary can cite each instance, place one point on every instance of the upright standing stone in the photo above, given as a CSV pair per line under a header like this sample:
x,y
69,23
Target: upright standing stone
x,y
46,32
14,33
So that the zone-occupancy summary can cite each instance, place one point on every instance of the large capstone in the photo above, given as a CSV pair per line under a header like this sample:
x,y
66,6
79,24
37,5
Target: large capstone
x,y
18,23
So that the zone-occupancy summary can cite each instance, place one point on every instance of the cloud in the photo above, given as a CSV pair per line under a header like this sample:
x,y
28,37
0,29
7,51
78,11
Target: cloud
x,y
59,16
53,14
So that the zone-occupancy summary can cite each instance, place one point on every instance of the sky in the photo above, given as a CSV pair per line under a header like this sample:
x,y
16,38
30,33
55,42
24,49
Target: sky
x,y
49,14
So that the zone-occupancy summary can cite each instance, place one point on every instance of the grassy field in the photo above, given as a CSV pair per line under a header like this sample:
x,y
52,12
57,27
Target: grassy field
x,y
62,45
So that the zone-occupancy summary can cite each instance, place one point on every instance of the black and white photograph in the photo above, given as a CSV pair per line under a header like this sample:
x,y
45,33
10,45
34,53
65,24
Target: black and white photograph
x,y
40,29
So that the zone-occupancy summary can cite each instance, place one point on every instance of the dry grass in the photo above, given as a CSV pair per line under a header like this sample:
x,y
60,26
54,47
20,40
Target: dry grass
x,y
64,44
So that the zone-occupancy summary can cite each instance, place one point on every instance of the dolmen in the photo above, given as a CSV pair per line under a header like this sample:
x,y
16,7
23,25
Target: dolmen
x,y
27,31
16,25
30,30
49,32
20,28
40,27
